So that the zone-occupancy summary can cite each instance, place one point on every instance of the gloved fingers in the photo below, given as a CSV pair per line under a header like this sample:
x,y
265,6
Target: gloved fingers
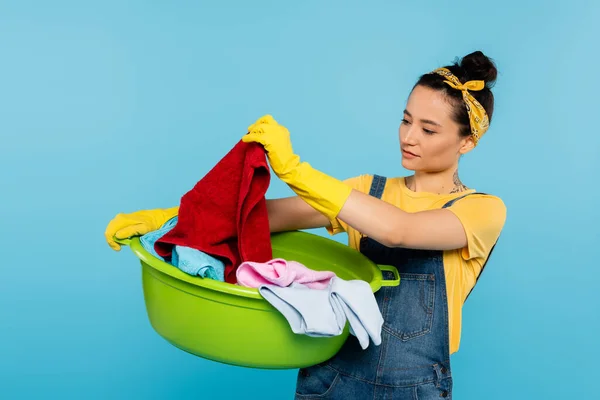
x,y
266,129
131,230
113,226
265,119
257,137
111,242
258,133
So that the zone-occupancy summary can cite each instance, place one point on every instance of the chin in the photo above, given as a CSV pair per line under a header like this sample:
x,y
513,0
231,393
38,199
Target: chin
x,y
408,164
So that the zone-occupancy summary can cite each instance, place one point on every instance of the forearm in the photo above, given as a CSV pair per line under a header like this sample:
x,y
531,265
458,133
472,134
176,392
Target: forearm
x,y
285,214
292,213
374,218
394,227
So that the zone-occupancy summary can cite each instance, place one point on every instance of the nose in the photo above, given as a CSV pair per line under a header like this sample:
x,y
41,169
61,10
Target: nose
x,y
408,136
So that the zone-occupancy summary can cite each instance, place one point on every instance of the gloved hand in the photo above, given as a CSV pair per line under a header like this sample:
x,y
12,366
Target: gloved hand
x,y
137,223
324,193
265,119
276,141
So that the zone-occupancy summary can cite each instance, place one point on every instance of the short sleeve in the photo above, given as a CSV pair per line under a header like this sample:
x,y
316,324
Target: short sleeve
x,y
483,218
358,183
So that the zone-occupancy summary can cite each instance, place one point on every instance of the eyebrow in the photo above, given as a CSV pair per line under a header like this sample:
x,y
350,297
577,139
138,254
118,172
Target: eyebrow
x,y
424,121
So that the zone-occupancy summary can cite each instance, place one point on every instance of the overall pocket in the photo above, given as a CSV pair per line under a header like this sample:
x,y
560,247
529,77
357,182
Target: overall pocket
x,y
315,381
408,308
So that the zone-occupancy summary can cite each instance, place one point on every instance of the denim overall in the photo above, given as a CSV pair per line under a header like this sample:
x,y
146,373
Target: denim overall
x,y
413,360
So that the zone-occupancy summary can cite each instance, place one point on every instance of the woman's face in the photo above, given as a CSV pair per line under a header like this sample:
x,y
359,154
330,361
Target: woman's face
x,y
429,139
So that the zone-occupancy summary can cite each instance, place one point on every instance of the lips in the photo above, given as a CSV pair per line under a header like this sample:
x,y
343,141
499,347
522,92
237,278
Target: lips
x,y
408,153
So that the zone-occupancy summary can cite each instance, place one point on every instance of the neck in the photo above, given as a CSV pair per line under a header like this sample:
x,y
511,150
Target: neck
x,y
444,182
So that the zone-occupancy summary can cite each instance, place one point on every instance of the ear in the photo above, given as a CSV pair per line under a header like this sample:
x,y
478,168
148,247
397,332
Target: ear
x,y
467,144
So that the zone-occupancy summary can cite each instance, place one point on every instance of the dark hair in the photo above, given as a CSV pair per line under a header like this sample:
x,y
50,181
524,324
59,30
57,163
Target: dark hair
x,y
474,66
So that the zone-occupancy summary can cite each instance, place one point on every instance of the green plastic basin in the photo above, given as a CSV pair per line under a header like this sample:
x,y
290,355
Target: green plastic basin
x,y
233,324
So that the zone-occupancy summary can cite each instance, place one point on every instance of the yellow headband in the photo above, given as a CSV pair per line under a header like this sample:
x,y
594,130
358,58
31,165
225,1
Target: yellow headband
x,y
477,115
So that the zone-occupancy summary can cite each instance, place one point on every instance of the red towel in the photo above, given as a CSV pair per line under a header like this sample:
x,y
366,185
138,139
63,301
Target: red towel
x,y
225,214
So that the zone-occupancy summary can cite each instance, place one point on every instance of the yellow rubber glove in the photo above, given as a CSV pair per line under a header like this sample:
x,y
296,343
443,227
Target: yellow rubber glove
x,y
137,223
324,193
265,119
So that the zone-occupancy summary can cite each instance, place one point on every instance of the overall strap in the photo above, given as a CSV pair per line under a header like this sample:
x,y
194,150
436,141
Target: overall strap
x,y
448,204
377,186
376,190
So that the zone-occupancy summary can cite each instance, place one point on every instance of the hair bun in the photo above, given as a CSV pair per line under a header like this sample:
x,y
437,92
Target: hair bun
x,y
479,67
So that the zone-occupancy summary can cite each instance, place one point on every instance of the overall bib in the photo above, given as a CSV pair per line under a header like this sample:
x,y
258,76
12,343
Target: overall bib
x,y
413,360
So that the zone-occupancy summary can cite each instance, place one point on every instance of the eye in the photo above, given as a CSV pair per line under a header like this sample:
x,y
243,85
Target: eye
x,y
427,131
405,121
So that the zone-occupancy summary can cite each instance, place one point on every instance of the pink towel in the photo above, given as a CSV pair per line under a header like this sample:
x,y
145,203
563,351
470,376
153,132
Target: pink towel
x,y
281,273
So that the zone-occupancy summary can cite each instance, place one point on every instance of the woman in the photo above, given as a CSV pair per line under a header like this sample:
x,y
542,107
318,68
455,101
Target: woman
x,y
433,228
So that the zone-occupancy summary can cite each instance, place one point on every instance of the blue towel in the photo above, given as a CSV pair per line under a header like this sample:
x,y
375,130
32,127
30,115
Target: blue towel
x,y
150,238
196,262
324,312
190,261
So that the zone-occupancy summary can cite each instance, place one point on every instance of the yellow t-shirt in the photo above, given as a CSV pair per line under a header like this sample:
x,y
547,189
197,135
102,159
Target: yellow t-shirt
x,y
482,216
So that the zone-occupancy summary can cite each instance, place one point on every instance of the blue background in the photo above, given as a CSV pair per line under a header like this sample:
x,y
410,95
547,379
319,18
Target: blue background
x,y
108,107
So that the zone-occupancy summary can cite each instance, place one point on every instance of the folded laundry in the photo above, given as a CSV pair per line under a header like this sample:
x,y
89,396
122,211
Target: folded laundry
x,y
324,312
281,272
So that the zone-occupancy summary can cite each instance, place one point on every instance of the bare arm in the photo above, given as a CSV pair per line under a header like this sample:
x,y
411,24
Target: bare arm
x,y
388,224
393,227
293,213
